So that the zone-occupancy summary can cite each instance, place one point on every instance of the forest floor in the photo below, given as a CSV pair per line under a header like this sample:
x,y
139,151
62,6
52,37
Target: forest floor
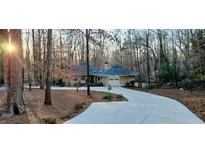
x,y
193,100
65,105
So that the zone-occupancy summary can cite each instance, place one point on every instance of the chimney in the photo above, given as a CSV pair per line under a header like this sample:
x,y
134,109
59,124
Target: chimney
x,y
106,66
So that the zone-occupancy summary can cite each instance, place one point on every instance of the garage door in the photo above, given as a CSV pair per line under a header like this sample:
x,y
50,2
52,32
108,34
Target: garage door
x,y
114,80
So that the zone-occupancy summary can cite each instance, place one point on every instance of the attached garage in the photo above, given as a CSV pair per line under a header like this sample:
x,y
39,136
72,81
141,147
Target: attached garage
x,y
116,75
114,80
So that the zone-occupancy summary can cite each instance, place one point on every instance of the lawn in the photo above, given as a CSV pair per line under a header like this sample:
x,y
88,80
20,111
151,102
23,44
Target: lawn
x,y
65,105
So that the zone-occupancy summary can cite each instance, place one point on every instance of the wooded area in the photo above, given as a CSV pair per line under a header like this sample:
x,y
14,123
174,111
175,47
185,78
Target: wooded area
x,y
42,57
161,56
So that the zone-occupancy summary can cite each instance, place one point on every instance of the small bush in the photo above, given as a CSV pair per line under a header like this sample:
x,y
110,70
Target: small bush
x,y
108,96
48,120
78,106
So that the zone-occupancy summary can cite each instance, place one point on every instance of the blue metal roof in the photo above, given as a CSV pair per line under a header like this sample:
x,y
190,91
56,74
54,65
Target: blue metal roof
x,y
81,69
116,70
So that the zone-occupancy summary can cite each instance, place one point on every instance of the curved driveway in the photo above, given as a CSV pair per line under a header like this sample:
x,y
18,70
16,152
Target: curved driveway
x,y
141,108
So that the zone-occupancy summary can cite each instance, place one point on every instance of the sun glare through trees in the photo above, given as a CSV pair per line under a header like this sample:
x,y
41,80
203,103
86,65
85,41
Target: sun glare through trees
x,y
10,47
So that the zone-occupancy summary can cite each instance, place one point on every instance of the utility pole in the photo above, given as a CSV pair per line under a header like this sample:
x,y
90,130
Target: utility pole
x,y
87,50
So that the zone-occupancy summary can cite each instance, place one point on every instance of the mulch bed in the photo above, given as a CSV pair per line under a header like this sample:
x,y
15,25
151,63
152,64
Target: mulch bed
x,y
193,100
65,105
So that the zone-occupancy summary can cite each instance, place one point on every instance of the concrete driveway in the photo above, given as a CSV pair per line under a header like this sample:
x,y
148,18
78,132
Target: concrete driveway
x,y
141,108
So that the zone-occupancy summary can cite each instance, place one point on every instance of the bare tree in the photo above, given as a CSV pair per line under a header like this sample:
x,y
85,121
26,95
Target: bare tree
x,y
28,60
88,69
35,58
48,69
148,59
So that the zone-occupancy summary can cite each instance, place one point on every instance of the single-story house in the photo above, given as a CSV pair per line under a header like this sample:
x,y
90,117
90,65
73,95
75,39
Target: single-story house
x,y
116,75
81,72
73,76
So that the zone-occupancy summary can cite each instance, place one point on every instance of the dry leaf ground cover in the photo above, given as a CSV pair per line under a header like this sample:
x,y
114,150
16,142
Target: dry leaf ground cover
x,y
65,105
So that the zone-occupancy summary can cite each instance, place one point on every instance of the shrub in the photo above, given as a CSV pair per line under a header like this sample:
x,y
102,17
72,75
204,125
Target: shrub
x,y
78,106
48,120
201,77
108,96
187,84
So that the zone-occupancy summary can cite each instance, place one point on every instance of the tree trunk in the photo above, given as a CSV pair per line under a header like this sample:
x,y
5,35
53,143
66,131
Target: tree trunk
x,y
88,72
34,58
161,57
28,63
148,65
61,51
13,72
48,69
40,64
83,51
44,56
138,68
175,61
